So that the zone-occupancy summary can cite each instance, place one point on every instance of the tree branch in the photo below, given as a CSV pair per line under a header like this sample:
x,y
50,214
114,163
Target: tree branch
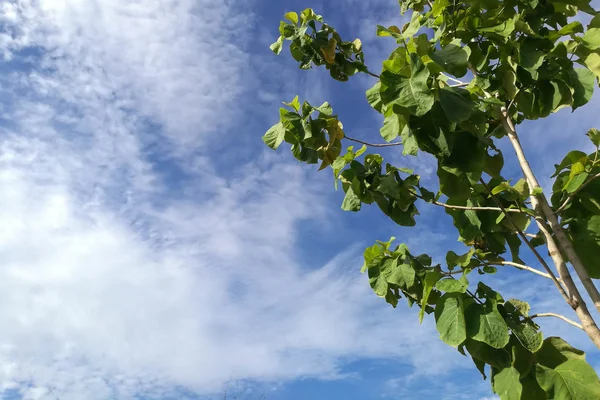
x,y
373,144
524,268
469,208
372,74
567,320
579,189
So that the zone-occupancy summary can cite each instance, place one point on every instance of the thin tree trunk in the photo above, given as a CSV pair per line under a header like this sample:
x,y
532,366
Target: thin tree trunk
x,y
563,241
544,212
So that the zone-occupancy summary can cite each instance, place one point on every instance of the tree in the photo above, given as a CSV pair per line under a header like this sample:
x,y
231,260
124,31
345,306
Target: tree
x,y
464,75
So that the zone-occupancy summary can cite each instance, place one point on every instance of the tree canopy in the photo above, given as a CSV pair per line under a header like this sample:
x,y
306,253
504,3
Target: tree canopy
x,y
463,76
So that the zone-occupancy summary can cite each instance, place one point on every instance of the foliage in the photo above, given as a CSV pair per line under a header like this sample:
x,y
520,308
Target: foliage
x,y
524,59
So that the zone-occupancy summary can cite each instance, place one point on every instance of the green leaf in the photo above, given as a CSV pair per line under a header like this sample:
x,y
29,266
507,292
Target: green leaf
x,y
582,80
377,278
295,104
465,259
409,143
431,277
591,39
351,201
452,58
509,83
414,93
573,379
531,389
451,286
403,275
494,164
292,17
594,135
530,57
450,319
277,46
454,183
485,324
456,104
374,97
592,61
556,351
498,358
531,338
575,181
391,128
274,136
507,384
504,29
586,241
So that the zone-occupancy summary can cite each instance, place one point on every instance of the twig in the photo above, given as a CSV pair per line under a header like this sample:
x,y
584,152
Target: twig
x,y
528,243
468,208
373,144
579,189
372,74
523,267
531,235
457,81
567,320
459,85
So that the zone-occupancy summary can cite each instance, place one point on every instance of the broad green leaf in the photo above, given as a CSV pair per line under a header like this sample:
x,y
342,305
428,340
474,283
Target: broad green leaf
x,y
582,80
504,29
391,128
403,275
586,241
556,351
351,201
571,380
592,61
575,181
452,58
494,164
274,136
454,183
530,57
507,384
509,83
522,308
277,46
295,104
498,358
456,104
485,324
413,26
450,319
451,286
292,17
531,338
374,97
372,255
594,135
531,388
591,38
431,277
377,279
409,143
414,93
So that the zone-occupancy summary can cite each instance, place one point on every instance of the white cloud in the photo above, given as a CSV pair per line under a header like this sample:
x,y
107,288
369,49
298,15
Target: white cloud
x,y
121,276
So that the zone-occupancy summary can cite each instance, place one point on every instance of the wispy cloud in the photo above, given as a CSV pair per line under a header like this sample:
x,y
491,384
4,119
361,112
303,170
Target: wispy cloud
x,y
132,262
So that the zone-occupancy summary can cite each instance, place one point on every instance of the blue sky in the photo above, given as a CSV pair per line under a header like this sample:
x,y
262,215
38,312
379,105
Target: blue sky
x,y
152,247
